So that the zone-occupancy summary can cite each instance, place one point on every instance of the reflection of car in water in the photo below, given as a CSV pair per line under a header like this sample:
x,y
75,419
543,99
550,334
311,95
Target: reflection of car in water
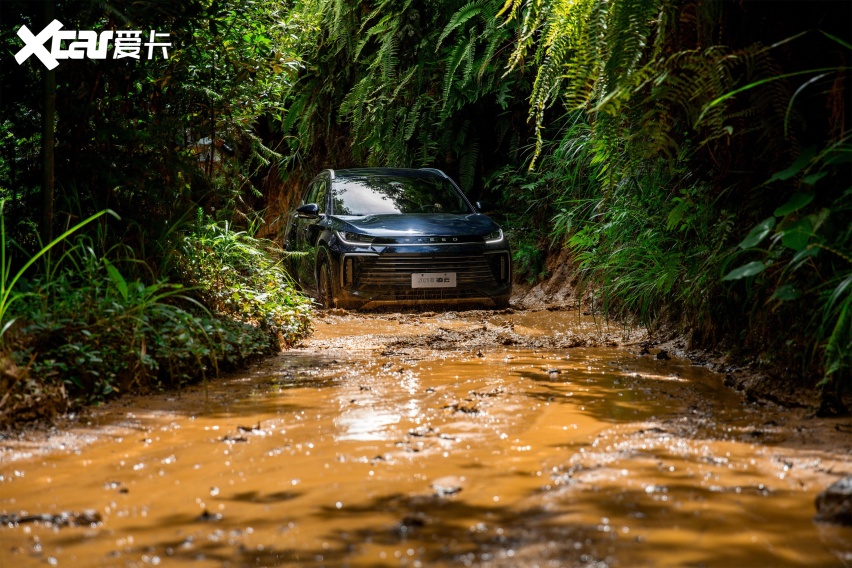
x,y
372,236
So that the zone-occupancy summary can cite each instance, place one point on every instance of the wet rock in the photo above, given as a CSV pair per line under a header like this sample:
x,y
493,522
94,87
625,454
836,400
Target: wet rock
x,y
421,432
446,486
457,407
664,355
208,517
254,429
644,350
834,505
234,439
64,519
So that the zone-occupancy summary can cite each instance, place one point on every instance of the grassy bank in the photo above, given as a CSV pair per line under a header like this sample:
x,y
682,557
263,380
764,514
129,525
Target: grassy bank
x,y
89,323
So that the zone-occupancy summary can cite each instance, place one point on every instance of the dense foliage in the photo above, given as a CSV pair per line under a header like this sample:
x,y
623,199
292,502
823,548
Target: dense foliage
x,y
132,302
693,156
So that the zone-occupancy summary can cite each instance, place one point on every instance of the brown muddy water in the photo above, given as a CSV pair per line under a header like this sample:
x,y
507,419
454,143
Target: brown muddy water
x,y
457,439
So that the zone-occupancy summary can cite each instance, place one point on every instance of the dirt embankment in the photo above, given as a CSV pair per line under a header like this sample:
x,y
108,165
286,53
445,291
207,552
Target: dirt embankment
x,y
561,291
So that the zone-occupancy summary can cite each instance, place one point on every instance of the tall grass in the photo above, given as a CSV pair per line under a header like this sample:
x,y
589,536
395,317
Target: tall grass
x,y
91,325
243,278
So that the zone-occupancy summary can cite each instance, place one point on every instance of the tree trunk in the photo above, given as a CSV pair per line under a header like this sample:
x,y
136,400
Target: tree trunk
x,y
47,141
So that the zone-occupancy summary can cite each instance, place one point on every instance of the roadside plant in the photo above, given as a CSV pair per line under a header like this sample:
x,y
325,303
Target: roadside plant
x,y
242,277
8,294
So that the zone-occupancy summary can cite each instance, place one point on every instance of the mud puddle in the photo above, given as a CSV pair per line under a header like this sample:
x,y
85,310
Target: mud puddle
x,y
463,439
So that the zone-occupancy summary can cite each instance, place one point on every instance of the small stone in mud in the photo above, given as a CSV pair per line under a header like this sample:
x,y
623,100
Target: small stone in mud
x,y
834,505
553,372
462,408
421,432
430,389
644,350
234,439
446,486
664,355
207,517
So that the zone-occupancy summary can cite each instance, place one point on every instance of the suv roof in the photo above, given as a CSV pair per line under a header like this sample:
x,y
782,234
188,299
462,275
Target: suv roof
x,y
392,172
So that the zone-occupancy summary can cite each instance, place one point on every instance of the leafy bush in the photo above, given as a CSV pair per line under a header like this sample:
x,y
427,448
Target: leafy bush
x,y
83,331
242,277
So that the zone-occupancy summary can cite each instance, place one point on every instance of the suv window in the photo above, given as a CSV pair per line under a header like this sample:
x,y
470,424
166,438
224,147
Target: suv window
x,y
317,193
383,194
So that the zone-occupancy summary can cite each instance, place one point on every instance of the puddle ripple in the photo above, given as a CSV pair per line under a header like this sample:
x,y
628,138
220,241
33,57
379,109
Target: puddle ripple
x,y
480,438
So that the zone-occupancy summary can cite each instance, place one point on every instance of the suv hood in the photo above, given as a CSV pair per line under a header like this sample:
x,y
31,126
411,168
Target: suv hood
x,y
439,224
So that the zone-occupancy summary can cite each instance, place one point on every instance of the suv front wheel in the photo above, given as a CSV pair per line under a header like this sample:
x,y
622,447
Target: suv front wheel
x,y
325,285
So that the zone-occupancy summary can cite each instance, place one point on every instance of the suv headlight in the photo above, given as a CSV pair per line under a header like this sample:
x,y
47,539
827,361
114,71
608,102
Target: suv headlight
x,y
351,238
494,236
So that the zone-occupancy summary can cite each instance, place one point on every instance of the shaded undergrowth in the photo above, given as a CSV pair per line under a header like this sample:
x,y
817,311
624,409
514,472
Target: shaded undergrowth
x,y
91,323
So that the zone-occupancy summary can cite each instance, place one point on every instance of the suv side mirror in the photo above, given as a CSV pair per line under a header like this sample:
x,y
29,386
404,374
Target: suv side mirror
x,y
308,211
485,207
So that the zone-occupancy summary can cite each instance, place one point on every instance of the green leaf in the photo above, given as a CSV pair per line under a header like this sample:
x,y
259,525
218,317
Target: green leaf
x,y
796,235
796,202
745,271
758,233
786,292
837,39
813,178
796,167
801,257
117,279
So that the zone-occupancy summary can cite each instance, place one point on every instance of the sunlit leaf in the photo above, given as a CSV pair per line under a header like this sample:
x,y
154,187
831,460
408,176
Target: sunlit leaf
x,y
750,269
117,279
757,234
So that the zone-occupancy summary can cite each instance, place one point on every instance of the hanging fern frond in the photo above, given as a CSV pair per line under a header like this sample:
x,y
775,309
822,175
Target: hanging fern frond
x,y
468,11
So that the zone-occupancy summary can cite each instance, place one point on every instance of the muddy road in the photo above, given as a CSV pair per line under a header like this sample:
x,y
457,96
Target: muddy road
x,y
530,438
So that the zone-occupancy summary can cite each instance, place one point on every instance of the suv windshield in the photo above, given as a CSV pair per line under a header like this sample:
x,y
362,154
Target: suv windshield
x,y
384,195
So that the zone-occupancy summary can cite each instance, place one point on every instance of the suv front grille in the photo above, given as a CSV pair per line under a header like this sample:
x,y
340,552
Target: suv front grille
x,y
395,270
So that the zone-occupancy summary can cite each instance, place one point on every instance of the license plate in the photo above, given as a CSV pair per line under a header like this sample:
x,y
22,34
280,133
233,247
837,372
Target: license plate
x,y
433,280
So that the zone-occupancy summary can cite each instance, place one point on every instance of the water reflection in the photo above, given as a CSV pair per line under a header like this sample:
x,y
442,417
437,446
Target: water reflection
x,y
488,456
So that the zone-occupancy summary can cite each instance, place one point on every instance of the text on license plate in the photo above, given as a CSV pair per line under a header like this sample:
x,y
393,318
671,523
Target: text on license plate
x,y
433,280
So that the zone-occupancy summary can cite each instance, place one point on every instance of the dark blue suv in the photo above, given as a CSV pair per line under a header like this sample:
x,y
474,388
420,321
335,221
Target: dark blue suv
x,y
373,236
